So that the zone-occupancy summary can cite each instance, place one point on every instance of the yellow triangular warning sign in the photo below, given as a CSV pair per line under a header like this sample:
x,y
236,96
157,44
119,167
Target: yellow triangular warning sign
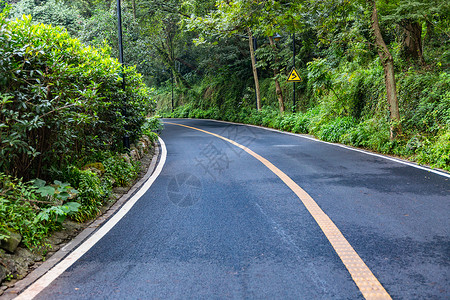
x,y
293,76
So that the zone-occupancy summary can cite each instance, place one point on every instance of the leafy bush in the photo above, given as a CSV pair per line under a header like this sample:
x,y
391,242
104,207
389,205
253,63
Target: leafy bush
x,y
152,124
302,122
92,192
319,76
121,171
60,97
288,122
268,116
33,209
51,12
212,113
333,131
370,134
182,111
437,153
252,117
428,105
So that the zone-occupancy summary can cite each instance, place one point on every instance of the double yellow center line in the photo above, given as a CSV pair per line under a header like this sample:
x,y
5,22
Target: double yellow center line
x,y
367,283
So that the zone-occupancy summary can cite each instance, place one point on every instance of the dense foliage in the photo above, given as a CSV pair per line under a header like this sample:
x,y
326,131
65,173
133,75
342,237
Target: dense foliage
x,y
378,68
63,114
60,98
36,208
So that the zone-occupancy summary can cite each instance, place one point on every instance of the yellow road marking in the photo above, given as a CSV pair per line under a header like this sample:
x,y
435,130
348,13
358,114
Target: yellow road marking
x,y
367,283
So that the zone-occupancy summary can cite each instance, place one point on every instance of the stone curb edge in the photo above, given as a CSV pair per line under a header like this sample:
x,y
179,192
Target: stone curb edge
x,y
21,285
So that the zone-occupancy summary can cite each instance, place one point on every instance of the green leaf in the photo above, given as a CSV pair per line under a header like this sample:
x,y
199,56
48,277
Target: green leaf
x,y
38,182
46,191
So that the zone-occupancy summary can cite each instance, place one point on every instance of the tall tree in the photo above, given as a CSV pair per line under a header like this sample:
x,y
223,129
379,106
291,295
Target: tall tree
x,y
241,16
254,69
160,22
389,73
276,72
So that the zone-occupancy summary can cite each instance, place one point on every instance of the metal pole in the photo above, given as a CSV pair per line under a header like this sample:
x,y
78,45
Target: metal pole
x,y
172,91
119,28
293,62
126,138
255,45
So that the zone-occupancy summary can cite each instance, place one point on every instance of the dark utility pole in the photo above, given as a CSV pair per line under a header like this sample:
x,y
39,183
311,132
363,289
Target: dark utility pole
x,y
126,138
172,91
293,62
255,45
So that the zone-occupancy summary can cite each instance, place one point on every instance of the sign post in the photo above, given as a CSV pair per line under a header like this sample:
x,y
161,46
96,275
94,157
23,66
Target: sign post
x,y
126,137
293,76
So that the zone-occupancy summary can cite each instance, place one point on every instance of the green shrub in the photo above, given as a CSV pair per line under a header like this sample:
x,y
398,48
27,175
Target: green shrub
x,y
93,192
182,111
288,122
33,209
318,117
17,212
428,101
59,97
302,121
153,136
121,171
152,124
211,113
370,134
269,117
255,117
436,153
333,131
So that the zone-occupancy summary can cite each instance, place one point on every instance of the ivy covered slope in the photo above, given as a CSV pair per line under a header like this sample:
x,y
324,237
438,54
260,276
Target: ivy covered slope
x,y
62,118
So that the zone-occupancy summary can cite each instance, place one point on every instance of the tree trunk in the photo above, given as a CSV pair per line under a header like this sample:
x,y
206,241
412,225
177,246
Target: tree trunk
x,y
278,90
255,71
133,3
170,62
412,41
389,75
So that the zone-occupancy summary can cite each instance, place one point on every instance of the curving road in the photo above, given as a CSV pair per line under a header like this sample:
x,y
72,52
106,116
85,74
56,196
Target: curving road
x,y
218,223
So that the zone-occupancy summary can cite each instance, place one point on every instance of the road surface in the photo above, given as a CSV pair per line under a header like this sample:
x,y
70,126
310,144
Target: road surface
x,y
222,223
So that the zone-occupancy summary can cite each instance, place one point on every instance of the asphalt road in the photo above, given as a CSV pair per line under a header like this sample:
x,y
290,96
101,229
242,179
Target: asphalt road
x,y
219,224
